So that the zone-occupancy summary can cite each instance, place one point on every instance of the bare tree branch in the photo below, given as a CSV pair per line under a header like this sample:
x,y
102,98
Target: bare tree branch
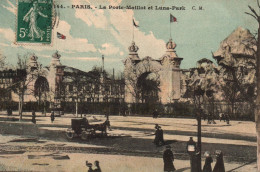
x,y
251,15
253,10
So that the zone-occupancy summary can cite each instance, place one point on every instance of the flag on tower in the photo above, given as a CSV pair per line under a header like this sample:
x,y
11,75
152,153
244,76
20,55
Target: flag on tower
x,y
135,23
172,18
60,36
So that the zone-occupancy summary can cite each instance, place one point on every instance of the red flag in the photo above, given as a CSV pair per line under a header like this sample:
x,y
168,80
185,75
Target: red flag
x,y
172,18
60,36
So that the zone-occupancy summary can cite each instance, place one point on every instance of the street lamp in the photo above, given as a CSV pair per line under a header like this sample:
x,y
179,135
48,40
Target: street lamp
x,y
191,149
191,146
198,93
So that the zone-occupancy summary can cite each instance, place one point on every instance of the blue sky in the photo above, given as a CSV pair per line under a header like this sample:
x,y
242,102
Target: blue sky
x,y
91,33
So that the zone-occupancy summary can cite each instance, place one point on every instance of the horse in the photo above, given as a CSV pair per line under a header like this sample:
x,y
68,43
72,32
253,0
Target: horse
x,y
102,127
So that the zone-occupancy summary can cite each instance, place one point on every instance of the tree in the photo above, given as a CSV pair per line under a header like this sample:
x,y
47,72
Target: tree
x,y
257,107
26,75
75,80
41,88
236,59
3,91
2,61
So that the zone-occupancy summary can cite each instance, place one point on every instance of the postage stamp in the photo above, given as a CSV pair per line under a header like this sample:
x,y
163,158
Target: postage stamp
x,y
34,21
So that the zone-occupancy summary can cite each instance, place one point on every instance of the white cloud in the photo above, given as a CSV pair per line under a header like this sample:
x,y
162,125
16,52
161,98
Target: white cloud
x,y
4,45
148,44
11,7
108,49
8,34
90,17
95,17
120,26
45,56
115,2
68,45
82,58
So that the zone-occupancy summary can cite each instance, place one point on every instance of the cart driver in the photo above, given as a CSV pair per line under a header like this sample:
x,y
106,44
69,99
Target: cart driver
x,y
85,123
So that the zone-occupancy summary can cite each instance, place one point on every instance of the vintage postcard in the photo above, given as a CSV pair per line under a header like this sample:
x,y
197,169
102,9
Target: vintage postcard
x,y
129,85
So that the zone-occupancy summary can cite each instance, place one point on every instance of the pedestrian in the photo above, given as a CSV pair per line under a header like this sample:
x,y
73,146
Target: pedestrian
x,y
220,116
227,119
155,114
52,116
156,138
33,117
89,165
9,111
160,136
97,167
168,159
219,166
224,117
207,166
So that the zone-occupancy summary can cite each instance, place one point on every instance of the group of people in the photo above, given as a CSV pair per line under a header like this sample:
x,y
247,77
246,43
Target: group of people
x,y
34,117
95,169
158,140
219,166
168,159
225,117
211,117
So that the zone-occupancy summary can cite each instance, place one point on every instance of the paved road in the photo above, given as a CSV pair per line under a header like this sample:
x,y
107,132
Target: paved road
x,y
130,139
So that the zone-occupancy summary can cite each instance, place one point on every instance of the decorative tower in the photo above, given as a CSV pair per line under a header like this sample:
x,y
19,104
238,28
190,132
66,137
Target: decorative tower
x,y
129,73
133,55
32,71
171,49
32,63
55,78
55,59
175,62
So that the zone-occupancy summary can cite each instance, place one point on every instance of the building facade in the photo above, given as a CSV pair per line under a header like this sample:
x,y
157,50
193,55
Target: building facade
x,y
153,80
57,84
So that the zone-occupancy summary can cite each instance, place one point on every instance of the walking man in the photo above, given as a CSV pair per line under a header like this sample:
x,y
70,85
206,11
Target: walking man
x,y
52,116
33,117
155,114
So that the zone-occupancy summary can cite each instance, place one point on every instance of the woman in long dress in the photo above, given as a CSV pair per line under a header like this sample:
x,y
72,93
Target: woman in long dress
x,y
219,166
32,17
208,161
168,159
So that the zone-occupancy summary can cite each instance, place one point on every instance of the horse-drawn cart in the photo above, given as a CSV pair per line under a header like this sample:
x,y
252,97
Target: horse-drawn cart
x,y
81,128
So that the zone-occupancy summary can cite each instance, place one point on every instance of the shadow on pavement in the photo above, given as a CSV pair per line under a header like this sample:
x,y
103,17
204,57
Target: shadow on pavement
x,y
242,165
182,169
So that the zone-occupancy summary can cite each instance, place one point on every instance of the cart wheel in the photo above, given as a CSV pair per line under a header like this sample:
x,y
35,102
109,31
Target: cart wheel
x,y
70,135
84,135
93,132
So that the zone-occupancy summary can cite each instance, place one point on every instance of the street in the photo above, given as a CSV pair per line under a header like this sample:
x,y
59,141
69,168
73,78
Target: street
x,y
128,147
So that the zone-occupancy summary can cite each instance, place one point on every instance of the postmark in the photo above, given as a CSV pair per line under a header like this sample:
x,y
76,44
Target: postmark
x,y
34,21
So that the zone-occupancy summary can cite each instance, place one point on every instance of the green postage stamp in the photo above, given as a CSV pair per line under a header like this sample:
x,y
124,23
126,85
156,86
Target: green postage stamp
x,y
34,21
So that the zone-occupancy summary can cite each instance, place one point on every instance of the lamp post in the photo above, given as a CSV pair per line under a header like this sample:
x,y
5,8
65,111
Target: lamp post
x,y
198,93
199,140
191,149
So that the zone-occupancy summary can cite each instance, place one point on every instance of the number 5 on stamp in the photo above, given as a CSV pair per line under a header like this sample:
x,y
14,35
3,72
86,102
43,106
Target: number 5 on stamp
x,y
34,21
